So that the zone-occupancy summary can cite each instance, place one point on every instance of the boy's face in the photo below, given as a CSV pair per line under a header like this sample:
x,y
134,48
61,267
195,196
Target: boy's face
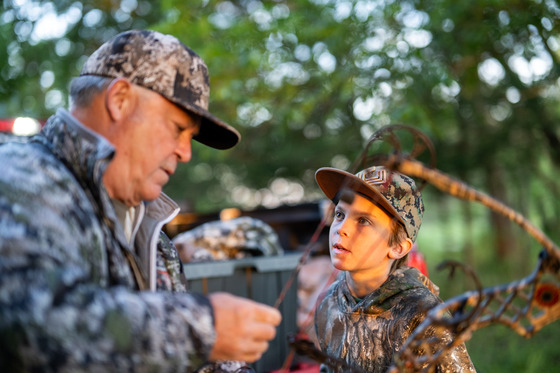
x,y
359,237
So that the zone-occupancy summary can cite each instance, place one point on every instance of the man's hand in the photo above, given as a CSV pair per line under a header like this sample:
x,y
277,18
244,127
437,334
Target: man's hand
x,y
243,327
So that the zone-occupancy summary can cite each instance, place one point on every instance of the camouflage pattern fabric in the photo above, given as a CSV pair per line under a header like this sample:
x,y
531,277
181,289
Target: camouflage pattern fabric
x,y
68,297
229,239
367,333
165,65
225,367
156,61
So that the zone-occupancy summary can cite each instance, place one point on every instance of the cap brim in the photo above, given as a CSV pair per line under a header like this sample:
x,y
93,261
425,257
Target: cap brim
x,y
213,132
332,180
216,133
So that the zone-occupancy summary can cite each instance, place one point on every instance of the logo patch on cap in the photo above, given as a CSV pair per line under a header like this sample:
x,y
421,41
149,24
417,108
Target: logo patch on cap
x,y
373,177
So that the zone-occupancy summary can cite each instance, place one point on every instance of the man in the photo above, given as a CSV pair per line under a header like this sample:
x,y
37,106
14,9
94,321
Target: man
x,y
81,211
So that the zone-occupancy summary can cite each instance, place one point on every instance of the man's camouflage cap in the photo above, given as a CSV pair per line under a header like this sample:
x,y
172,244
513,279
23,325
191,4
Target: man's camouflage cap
x,y
393,191
165,65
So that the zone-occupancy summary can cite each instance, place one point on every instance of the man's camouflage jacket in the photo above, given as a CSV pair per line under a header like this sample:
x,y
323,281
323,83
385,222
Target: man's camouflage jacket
x,y
69,300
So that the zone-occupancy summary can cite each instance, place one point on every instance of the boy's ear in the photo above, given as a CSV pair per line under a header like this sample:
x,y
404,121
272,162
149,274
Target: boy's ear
x,y
119,99
401,249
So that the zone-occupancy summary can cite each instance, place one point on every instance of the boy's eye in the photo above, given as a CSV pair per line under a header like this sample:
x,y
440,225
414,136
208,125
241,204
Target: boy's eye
x,y
363,221
338,215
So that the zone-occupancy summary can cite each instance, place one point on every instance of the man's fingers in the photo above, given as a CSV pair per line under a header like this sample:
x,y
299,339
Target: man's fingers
x,y
243,327
254,352
268,315
262,331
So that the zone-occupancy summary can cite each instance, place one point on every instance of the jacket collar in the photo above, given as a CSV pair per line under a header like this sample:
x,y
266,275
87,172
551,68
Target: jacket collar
x,y
402,279
83,151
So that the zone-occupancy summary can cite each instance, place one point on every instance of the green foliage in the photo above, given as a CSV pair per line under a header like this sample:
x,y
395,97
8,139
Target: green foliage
x,y
44,44
307,83
295,116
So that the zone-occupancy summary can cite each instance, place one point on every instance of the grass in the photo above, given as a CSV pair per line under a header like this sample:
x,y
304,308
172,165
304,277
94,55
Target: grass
x,y
497,349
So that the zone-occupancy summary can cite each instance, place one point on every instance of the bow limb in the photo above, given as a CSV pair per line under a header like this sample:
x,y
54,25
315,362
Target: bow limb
x,y
526,306
459,189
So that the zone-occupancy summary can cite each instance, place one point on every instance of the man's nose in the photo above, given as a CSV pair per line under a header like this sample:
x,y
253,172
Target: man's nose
x,y
184,149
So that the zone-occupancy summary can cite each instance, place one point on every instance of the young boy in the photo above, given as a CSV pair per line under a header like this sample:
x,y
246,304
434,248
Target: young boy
x,y
377,301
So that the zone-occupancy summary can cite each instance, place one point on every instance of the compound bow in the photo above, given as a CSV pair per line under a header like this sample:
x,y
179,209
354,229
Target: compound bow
x,y
525,305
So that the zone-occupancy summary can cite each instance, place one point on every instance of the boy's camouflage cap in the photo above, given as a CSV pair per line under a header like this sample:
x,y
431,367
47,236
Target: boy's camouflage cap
x,y
395,192
165,65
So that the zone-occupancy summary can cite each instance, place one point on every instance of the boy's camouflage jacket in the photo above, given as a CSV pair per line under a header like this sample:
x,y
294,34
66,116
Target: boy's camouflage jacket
x,y
68,298
367,333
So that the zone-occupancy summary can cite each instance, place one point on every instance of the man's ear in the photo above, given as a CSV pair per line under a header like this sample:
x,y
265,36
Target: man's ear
x,y
119,99
401,249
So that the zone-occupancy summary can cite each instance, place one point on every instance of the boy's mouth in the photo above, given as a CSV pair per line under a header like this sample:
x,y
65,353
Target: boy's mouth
x,y
339,248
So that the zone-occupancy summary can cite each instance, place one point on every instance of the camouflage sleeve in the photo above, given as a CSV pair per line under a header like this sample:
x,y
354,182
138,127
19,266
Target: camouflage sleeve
x,y
58,322
59,311
437,338
456,360
226,367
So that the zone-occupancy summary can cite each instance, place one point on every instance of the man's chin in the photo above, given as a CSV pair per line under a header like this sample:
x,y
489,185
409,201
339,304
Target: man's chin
x,y
152,194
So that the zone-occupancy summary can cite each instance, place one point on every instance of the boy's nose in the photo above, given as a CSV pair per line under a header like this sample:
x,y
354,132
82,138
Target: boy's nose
x,y
342,229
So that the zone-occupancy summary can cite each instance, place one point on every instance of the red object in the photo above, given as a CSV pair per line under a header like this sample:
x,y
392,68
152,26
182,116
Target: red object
x,y
6,124
417,260
547,295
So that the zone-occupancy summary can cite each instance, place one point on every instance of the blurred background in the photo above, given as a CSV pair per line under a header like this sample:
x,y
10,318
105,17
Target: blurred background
x,y
308,82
